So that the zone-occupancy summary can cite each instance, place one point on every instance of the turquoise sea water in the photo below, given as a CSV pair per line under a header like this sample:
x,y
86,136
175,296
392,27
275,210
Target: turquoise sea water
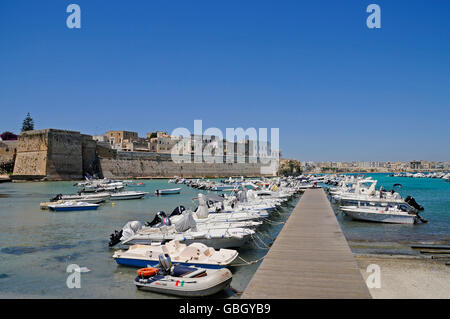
x,y
36,246
433,194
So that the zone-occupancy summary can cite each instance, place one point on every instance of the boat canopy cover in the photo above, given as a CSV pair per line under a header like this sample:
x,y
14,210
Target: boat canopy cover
x,y
242,196
185,223
214,198
130,229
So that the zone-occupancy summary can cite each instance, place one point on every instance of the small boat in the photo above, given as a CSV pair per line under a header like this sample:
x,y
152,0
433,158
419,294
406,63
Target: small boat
x,y
196,254
222,188
181,280
168,191
44,205
72,206
84,196
134,233
391,215
128,195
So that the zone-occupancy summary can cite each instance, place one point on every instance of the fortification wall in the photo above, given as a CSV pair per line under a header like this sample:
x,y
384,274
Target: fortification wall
x,y
88,154
31,157
64,156
148,165
7,151
51,154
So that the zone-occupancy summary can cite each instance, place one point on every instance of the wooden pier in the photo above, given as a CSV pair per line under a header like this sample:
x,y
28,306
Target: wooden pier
x,y
310,257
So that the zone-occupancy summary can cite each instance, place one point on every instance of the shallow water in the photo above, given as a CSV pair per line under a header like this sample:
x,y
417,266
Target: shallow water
x,y
36,246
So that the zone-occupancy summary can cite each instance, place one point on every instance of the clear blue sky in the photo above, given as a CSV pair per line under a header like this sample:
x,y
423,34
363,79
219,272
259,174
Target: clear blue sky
x,y
336,89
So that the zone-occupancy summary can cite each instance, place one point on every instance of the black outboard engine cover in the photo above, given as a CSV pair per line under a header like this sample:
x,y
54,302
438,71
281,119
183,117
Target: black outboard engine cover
x,y
177,211
115,238
411,201
160,219
157,220
56,198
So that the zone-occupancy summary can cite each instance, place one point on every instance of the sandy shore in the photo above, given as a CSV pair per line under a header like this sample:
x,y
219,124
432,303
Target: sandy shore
x,y
407,278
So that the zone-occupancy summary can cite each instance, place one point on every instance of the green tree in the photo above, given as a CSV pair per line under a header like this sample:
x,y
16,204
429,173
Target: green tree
x,y
28,124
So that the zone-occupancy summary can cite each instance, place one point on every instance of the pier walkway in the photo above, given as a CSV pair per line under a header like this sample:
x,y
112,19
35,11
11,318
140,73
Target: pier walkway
x,y
310,257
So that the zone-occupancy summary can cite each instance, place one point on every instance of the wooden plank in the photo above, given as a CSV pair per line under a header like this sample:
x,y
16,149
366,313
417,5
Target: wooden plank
x,y
310,257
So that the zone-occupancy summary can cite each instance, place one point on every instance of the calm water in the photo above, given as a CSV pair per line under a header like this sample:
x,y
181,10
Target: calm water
x,y
36,246
432,194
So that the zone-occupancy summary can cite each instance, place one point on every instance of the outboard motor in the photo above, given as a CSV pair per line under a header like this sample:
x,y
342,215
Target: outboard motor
x,y
165,263
115,238
56,198
178,211
411,201
160,218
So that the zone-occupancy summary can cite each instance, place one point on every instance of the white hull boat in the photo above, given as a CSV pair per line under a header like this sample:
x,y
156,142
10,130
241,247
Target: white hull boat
x,y
169,191
133,233
187,281
128,195
223,217
196,254
72,206
380,215
104,196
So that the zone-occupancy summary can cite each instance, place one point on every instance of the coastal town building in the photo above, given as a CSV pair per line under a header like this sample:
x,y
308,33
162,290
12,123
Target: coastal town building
x,y
373,166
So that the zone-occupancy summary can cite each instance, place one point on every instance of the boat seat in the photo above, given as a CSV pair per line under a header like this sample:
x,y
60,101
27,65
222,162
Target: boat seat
x,y
209,252
187,272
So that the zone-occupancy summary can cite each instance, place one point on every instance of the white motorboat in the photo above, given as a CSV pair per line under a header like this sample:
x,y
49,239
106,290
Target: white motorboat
x,y
72,206
225,217
86,197
392,215
44,205
128,195
134,233
169,191
182,280
196,254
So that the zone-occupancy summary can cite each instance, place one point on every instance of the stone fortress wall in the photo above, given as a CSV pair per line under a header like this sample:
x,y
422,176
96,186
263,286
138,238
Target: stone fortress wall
x,y
52,154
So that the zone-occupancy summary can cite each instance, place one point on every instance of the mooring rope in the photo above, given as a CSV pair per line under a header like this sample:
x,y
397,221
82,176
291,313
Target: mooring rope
x,y
267,236
271,222
247,263
261,241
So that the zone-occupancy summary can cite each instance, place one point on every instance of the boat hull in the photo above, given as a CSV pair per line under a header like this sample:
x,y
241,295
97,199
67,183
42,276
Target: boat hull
x,y
382,218
216,243
125,197
66,209
189,287
145,263
168,191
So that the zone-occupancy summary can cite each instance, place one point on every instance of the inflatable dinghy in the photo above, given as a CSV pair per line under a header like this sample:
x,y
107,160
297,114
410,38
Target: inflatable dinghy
x,y
182,280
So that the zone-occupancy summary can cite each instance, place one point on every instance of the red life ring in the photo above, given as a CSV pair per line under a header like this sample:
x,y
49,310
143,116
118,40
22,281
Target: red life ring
x,y
147,272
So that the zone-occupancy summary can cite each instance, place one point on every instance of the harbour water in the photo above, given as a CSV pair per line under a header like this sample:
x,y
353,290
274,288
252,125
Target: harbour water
x,y
36,246
432,194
